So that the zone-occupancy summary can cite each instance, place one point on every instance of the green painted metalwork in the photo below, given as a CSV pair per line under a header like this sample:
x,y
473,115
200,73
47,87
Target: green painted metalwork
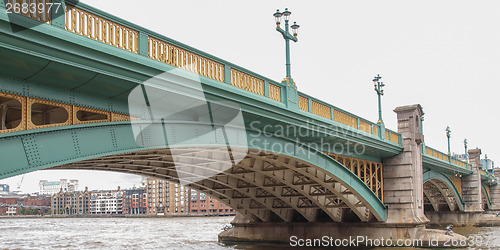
x,y
488,179
448,134
292,96
143,44
58,65
92,60
380,92
58,17
287,36
429,159
432,175
31,150
466,152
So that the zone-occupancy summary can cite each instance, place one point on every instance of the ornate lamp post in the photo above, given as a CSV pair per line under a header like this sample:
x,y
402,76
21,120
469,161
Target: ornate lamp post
x,y
448,134
287,36
380,92
466,153
486,162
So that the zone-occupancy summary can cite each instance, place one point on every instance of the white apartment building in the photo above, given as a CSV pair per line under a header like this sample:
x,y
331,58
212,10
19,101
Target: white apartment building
x,y
106,202
53,187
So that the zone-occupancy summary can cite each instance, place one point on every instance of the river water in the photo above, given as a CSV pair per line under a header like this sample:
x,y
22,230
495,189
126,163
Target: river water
x,y
143,233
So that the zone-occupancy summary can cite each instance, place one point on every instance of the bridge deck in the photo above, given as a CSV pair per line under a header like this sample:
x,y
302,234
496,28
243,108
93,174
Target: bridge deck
x,y
97,25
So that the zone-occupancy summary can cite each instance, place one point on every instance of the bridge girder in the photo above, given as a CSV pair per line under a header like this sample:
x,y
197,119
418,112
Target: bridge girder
x,y
286,188
266,185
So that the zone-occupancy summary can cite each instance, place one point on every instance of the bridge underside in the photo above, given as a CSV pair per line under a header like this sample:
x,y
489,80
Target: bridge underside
x,y
264,186
486,202
440,193
439,197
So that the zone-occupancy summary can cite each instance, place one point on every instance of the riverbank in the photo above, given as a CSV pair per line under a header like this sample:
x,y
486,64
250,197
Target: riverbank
x,y
109,216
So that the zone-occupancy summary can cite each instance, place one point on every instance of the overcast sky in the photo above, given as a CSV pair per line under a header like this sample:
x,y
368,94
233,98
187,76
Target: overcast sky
x,y
444,55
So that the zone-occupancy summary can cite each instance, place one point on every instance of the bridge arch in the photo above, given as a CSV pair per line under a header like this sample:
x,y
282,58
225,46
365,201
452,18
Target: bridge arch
x,y
441,193
289,182
486,202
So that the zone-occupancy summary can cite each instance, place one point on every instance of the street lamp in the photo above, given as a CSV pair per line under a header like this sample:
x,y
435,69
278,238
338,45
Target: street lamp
x,y
485,162
466,153
448,134
287,36
380,92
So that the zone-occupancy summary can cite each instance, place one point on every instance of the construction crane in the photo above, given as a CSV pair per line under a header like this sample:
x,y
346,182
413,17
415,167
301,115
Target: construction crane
x,y
20,182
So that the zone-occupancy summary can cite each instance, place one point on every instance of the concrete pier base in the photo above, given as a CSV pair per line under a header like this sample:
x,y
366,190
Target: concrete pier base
x,y
339,234
459,219
455,218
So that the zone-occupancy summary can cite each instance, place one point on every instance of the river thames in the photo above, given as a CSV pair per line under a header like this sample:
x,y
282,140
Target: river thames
x,y
144,233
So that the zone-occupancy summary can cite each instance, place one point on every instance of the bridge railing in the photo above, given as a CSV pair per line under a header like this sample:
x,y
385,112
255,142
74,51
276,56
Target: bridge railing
x,y
317,107
487,175
98,25
445,157
101,26
42,16
371,173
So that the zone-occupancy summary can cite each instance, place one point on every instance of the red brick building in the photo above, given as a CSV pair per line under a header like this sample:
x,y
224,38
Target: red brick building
x,y
24,204
42,201
8,200
202,204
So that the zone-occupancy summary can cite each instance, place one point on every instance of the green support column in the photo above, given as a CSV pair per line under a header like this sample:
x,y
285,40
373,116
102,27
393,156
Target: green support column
x,y
143,44
284,94
227,78
292,100
59,14
266,87
381,131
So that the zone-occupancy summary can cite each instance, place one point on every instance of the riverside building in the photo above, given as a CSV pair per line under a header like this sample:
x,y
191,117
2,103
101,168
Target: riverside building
x,y
71,203
202,204
134,201
108,202
53,187
166,198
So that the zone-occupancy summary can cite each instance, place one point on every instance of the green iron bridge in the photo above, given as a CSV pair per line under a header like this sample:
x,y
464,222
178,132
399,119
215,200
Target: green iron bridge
x,y
65,84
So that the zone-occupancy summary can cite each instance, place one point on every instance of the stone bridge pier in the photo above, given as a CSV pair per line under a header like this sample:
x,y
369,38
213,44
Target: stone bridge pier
x,y
472,197
495,194
403,179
